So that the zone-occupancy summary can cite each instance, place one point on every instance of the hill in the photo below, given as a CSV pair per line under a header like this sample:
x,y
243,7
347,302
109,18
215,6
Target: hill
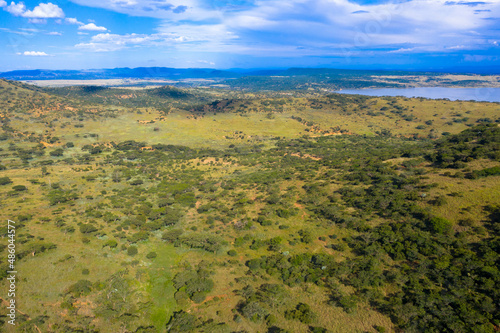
x,y
292,79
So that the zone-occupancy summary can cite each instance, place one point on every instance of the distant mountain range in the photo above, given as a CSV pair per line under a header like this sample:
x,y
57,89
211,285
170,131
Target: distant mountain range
x,y
179,74
319,79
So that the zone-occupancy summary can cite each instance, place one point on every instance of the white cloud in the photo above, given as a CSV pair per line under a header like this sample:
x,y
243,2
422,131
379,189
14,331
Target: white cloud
x,y
42,11
91,27
23,33
16,9
37,21
163,9
206,62
35,54
72,20
54,33
3,3
45,10
112,42
306,27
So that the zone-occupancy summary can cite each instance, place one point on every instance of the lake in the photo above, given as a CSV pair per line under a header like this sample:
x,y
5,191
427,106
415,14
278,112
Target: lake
x,y
464,94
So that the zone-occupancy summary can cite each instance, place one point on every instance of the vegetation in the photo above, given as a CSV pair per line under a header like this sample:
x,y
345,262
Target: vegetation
x,y
256,212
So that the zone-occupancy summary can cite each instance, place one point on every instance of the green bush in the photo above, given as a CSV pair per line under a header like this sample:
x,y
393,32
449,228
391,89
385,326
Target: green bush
x,y
151,255
440,225
5,180
19,188
87,228
302,312
132,250
82,287
136,182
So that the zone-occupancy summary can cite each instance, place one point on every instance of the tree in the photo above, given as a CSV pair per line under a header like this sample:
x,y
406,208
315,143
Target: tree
x,y
182,321
19,188
132,250
58,152
151,255
440,225
5,180
87,228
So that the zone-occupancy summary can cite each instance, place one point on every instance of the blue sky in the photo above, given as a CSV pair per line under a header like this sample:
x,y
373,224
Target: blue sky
x,y
412,34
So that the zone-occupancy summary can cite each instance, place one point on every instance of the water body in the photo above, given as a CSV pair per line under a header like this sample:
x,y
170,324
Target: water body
x,y
464,94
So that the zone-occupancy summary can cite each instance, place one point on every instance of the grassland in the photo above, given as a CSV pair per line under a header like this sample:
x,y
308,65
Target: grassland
x,y
195,210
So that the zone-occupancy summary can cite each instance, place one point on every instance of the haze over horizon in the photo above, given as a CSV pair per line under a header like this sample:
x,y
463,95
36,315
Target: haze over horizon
x,y
404,35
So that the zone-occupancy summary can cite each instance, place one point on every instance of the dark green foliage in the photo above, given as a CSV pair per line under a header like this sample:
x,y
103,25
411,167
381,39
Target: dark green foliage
x,y
182,322
302,312
439,201
151,255
253,310
115,298
57,152
480,141
232,253
494,171
82,287
19,188
172,235
136,182
170,92
139,236
59,196
5,180
195,284
207,242
87,228
35,248
132,250
440,225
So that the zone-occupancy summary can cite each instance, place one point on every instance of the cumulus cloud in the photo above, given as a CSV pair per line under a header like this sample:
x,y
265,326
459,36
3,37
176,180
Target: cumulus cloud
x,y
42,11
35,54
16,9
91,27
45,10
3,3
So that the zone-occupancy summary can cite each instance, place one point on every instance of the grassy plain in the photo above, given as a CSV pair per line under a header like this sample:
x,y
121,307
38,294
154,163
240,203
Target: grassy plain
x,y
243,178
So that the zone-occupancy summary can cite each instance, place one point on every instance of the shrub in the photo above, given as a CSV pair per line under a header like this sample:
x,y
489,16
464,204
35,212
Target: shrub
x,y
82,287
440,225
151,255
132,250
87,228
111,243
136,182
232,253
302,312
57,152
5,180
19,188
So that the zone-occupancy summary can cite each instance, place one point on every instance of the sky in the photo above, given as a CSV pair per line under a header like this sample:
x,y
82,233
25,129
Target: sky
x,y
223,34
